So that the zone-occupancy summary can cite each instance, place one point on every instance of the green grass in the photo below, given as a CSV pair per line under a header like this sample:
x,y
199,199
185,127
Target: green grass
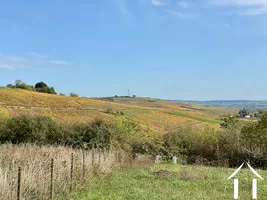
x,y
202,119
185,183
134,112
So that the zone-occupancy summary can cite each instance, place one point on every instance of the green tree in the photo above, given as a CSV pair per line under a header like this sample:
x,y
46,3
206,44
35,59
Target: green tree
x,y
52,90
229,122
43,87
72,94
20,84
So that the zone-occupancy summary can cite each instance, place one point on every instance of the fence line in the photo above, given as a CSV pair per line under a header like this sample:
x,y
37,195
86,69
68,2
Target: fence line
x,y
50,178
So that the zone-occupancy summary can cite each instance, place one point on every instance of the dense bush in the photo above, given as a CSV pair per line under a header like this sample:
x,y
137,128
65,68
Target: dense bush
x,y
96,134
254,141
130,137
21,85
25,129
195,144
233,144
122,134
44,130
72,94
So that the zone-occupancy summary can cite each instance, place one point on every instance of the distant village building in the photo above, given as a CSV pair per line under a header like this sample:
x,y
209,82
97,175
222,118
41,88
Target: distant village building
x,y
248,116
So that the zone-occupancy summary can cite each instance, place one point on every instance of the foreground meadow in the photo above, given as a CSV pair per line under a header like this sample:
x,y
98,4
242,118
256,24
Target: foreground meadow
x,y
169,181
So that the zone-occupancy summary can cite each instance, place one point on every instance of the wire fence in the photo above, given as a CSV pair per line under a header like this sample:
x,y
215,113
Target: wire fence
x,y
47,173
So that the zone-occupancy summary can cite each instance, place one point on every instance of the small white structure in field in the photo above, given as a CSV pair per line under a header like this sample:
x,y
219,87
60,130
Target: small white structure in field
x,y
157,159
254,181
174,160
247,116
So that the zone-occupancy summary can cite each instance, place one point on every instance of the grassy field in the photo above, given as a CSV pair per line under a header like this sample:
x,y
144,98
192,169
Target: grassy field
x,y
134,112
165,182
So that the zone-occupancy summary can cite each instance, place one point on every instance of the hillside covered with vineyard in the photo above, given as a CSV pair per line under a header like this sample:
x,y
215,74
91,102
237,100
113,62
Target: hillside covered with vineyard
x,y
156,114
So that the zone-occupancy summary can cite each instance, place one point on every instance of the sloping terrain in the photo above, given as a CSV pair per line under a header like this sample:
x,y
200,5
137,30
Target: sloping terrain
x,y
155,113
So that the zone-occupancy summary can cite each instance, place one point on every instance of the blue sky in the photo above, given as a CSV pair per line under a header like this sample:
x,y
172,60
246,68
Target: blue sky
x,y
171,49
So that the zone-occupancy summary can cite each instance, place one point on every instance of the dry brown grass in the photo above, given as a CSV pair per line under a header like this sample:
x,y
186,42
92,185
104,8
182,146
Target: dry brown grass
x,y
36,166
66,116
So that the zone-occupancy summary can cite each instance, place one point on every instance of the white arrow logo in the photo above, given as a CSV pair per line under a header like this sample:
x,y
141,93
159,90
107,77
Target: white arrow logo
x,y
254,181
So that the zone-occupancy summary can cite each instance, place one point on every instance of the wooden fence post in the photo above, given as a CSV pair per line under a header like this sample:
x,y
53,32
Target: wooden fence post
x,y
71,172
105,154
19,194
83,164
99,157
93,157
52,180
117,156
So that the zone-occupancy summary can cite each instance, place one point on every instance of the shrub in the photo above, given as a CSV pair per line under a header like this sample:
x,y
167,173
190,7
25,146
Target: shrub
x,y
254,141
25,129
72,94
229,141
233,144
179,141
96,134
22,85
11,86
239,143
122,134
192,143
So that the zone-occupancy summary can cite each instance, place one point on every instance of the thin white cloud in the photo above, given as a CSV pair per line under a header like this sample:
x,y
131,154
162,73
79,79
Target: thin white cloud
x,y
12,62
15,58
244,7
181,15
183,4
38,55
159,2
10,66
253,11
59,62
240,2
30,61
